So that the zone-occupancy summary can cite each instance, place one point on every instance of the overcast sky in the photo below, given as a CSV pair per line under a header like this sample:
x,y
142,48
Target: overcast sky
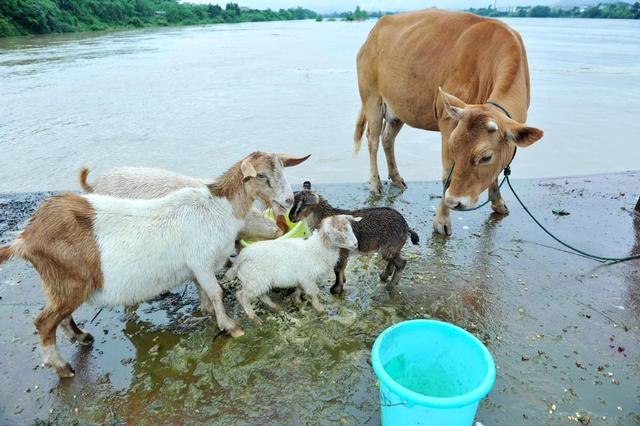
x,y
325,6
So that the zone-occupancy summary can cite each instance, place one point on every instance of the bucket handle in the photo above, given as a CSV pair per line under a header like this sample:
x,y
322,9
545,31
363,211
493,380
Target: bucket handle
x,y
384,401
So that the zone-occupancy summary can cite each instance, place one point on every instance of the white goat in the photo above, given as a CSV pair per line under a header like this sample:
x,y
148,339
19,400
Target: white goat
x,y
121,251
291,262
147,183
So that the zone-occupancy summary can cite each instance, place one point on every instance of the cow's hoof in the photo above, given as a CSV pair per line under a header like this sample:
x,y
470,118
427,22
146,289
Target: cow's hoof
x,y
398,182
236,332
376,188
66,371
442,225
500,208
85,339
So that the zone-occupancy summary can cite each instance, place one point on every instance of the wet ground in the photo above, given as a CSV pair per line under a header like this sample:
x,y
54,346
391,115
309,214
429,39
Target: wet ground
x,y
564,330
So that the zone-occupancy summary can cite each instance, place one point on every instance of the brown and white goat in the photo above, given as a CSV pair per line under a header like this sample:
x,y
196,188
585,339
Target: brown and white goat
x,y
118,251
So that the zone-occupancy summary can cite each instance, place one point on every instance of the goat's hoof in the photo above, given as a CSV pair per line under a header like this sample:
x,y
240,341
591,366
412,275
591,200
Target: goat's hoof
x,y
85,339
500,208
256,321
66,371
236,332
336,290
384,277
442,225
320,309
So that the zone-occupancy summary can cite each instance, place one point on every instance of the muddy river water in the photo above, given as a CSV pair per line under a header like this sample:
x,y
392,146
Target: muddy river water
x,y
195,99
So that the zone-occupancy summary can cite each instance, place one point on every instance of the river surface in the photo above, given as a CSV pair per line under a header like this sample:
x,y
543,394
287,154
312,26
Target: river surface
x,y
196,99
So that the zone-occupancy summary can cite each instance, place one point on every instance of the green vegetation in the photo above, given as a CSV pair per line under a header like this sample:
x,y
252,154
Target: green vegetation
x,y
19,17
619,10
357,15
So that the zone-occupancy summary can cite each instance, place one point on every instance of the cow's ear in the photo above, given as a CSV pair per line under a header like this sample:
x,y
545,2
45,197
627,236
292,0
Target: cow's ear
x,y
523,135
454,106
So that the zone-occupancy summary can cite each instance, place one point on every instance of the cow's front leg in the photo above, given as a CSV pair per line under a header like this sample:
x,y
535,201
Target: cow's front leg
x,y
442,222
497,202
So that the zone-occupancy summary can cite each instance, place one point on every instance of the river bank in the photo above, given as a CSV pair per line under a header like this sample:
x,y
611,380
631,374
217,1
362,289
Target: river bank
x,y
563,329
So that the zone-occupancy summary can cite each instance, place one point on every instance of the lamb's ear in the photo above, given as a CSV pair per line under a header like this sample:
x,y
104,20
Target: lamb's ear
x,y
247,169
454,106
289,161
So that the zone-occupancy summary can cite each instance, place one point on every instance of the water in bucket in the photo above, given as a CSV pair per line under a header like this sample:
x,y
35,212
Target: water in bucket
x,y
431,373
425,378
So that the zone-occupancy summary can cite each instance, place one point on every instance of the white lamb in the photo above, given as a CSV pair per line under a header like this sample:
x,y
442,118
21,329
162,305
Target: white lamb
x,y
292,263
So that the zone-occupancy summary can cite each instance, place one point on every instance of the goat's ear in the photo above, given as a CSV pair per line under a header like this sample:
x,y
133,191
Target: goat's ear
x,y
354,219
289,161
315,199
454,106
523,135
247,169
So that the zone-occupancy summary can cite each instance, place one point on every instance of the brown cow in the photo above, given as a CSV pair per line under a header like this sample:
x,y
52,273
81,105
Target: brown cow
x,y
402,66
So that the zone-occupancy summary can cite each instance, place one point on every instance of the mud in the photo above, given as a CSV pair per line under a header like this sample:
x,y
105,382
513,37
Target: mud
x,y
564,330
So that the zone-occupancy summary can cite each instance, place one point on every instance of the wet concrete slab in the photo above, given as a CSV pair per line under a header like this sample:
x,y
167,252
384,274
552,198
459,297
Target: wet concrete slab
x,y
564,330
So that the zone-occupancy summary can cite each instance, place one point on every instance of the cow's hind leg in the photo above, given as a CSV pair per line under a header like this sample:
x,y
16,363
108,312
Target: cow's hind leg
x,y
373,113
46,323
392,127
75,333
497,204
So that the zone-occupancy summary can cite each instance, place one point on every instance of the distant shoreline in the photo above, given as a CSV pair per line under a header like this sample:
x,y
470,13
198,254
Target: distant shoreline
x,y
57,16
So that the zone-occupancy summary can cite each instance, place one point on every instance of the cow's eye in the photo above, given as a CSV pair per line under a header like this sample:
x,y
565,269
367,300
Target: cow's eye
x,y
485,159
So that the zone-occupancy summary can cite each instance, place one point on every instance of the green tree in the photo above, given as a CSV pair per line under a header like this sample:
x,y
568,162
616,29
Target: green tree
x,y
540,12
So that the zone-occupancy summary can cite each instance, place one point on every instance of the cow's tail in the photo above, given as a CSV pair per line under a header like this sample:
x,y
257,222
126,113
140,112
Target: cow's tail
x,y
415,239
15,249
6,253
361,125
82,176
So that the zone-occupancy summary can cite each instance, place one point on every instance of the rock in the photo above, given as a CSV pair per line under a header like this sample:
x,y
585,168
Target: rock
x,y
154,349
525,357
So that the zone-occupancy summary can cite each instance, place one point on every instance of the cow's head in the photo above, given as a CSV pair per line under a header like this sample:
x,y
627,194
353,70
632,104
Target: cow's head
x,y
482,142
